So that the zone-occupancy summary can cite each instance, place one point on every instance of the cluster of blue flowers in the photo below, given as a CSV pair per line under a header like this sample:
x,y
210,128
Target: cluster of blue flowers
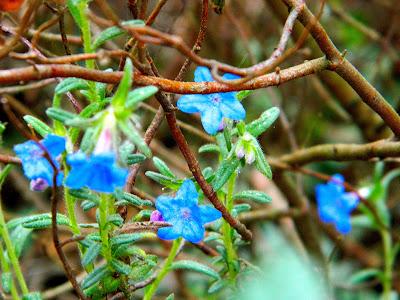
x,y
98,172
335,204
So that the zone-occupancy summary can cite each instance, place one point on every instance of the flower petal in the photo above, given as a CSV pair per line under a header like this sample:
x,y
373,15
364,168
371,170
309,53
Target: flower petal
x,y
54,144
230,76
193,231
211,120
187,193
209,214
193,103
170,233
350,201
343,224
168,207
202,74
231,107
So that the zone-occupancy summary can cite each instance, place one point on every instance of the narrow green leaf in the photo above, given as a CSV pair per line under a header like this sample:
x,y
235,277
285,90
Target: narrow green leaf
x,y
71,84
87,205
32,296
115,219
132,199
225,170
140,94
170,297
113,32
59,114
128,238
20,237
6,282
217,286
261,163
243,207
162,167
4,173
172,183
266,119
95,276
364,275
136,158
74,9
120,267
38,125
209,148
43,221
118,101
196,267
91,254
253,195
84,194
134,137
243,94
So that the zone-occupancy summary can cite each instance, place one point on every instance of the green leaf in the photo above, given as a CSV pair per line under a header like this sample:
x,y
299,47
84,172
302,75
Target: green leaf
x,y
194,266
140,94
266,119
120,267
90,255
88,139
170,297
169,182
225,170
243,94
113,32
111,284
162,167
136,158
239,208
71,84
59,114
38,125
209,148
253,195
115,219
130,131
84,194
95,276
32,296
6,281
261,163
217,286
43,221
20,237
75,10
128,238
132,199
87,205
4,173
118,101
364,275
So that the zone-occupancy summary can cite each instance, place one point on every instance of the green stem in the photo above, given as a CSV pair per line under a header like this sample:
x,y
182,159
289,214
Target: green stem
x,y
87,47
164,271
11,253
70,203
103,210
387,256
6,268
227,230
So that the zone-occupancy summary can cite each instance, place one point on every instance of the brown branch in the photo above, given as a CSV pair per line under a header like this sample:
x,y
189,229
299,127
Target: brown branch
x,y
39,72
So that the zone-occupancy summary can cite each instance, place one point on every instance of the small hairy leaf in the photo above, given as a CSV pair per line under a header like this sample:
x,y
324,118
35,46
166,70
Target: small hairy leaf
x,y
95,276
162,167
120,267
38,125
59,114
71,84
90,255
225,170
253,195
140,94
196,267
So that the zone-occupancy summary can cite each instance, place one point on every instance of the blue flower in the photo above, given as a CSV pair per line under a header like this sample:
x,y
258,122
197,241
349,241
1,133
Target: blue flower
x,y
184,214
334,204
36,167
212,107
98,172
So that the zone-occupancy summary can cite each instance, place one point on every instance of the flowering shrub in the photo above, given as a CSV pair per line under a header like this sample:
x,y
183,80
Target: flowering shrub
x,y
127,175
